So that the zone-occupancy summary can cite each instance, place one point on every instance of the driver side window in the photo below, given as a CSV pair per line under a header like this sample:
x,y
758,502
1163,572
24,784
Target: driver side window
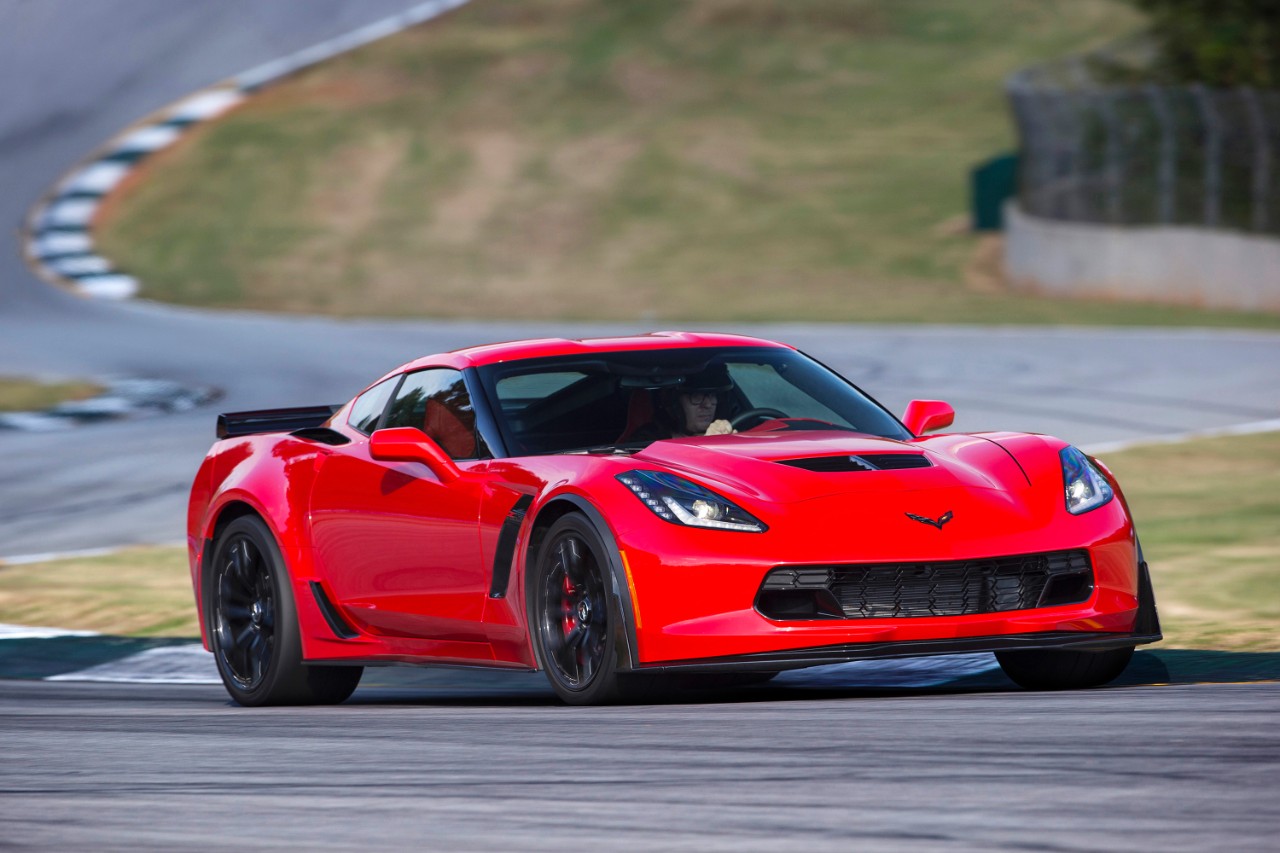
x,y
436,401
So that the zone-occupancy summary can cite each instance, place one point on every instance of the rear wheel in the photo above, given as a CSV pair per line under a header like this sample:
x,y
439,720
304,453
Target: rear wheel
x,y
254,625
1063,669
570,614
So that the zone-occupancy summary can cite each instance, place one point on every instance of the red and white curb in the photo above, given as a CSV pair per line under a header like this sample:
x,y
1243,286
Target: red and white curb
x,y
59,238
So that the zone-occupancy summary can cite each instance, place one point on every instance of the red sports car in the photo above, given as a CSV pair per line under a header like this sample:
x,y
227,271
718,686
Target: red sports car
x,y
620,511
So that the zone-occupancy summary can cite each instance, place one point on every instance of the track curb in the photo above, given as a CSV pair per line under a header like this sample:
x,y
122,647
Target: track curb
x,y
57,236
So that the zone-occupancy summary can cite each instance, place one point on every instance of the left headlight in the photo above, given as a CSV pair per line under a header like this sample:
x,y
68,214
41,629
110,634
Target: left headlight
x,y
1085,487
680,501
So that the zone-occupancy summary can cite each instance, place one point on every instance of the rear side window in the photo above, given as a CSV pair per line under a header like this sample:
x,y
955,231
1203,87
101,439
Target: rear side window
x,y
368,407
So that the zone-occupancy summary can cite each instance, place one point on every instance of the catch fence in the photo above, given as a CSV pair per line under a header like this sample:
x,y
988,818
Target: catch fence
x,y
1144,155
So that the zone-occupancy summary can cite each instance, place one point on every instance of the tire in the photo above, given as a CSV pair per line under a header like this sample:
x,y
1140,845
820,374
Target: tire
x,y
1063,669
571,614
253,625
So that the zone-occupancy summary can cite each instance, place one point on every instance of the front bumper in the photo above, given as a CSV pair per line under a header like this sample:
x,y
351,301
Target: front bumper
x,y
695,595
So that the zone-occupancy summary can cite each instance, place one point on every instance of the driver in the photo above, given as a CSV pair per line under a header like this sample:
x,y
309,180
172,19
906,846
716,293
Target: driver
x,y
691,409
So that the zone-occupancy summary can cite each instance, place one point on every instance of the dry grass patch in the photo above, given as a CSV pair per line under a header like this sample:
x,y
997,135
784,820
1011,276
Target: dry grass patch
x,y
143,592
29,395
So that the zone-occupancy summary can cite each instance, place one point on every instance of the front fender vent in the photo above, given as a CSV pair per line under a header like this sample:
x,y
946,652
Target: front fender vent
x,y
860,462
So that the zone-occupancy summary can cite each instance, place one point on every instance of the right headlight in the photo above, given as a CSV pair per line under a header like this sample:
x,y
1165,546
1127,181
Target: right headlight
x,y
1085,487
681,501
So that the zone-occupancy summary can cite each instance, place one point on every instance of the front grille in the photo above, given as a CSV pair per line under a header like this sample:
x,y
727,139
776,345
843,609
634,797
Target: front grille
x,y
950,588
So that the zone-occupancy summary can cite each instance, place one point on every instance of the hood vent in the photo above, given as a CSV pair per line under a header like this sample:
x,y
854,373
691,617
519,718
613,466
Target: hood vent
x,y
860,462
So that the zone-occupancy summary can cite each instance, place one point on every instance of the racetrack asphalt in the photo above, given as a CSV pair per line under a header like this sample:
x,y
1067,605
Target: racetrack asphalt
x,y
468,765
473,768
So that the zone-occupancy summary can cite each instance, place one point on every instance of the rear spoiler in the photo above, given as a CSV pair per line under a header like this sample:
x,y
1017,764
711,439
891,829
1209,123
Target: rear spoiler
x,y
234,424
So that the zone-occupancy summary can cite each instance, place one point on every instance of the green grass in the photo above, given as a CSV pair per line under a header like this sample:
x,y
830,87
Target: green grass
x,y
1207,512
583,159
28,395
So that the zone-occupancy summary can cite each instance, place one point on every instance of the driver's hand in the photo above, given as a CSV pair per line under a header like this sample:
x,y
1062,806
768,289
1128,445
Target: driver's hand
x,y
720,427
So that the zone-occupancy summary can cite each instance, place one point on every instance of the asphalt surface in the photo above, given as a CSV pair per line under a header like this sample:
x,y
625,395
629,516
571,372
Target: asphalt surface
x,y
474,764
167,768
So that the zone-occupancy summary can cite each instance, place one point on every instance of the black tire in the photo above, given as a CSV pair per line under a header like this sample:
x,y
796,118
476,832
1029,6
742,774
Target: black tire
x,y
253,625
571,607
1063,669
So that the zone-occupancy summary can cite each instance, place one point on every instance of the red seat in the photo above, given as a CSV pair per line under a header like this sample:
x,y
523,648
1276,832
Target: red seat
x,y
447,429
639,412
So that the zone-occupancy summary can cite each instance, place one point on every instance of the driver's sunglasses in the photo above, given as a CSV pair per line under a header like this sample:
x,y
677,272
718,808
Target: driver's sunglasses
x,y
701,398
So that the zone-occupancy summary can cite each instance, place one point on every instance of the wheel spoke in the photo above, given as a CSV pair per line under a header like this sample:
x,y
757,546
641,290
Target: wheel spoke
x,y
571,559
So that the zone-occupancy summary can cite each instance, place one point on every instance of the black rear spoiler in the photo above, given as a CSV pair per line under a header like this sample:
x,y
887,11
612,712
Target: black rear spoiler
x,y
233,424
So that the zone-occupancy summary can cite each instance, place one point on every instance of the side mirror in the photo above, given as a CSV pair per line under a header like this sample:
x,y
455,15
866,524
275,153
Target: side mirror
x,y
924,415
406,444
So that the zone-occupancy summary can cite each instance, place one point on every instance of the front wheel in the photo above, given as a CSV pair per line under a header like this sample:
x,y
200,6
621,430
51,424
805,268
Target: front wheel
x,y
254,625
1063,669
570,614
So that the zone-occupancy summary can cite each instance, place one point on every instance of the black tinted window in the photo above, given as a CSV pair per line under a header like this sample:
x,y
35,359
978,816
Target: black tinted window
x,y
369,405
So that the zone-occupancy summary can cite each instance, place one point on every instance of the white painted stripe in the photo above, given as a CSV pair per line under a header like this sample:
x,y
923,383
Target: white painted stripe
x,y
32,632
50,556
269,71
99,177
1251,428
898,672
150,138
206,105
75,212
80,265
108,286
33,421
187,664
60,242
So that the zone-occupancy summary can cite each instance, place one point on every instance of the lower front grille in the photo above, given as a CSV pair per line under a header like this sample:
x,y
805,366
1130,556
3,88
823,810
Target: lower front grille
x,y
950,588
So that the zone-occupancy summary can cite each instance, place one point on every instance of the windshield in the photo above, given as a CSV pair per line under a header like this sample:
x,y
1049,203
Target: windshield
x,y
629,399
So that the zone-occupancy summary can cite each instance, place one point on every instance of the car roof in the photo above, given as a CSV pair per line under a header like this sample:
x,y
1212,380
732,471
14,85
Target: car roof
x,y
547,347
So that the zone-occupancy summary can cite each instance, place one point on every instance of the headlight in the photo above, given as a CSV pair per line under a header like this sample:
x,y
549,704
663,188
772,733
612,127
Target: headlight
x,y
679,501
1086,489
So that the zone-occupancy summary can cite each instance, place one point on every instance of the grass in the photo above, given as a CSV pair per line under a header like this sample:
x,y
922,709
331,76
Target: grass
x,y
143,592
582,159
1207,512
27,395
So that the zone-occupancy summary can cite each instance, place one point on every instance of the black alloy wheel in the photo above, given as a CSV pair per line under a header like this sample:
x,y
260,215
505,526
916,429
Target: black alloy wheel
x,y
253,625
570,606
245,613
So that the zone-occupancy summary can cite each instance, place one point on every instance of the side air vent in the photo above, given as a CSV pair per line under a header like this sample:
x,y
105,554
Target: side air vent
x,y
861,462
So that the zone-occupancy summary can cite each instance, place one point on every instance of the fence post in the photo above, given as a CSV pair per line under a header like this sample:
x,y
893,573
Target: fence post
x,y
1166,174
1212,157
1114,169
1261,158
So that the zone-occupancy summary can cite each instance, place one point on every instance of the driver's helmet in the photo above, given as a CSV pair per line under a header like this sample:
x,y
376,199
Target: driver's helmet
x,y
714,378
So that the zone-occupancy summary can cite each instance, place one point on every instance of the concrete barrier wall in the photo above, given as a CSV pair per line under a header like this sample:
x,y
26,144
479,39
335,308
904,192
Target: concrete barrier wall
x,y
1176,264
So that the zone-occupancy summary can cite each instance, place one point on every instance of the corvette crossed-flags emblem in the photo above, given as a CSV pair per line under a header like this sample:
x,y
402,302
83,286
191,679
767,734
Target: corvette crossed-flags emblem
x,y
942,519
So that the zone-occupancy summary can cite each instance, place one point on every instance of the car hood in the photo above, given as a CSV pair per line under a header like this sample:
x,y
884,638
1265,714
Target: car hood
x,y
786,467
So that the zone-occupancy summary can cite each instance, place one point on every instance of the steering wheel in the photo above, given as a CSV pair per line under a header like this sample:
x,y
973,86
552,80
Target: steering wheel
x,y
763,413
